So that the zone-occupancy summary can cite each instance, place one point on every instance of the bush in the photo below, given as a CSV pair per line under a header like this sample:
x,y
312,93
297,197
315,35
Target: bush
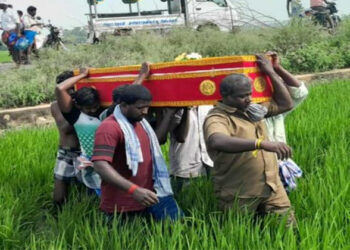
x,y
298,34
315,57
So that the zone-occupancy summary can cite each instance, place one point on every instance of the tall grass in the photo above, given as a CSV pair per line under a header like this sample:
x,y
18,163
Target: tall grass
x,y
318,131
5,57
303,47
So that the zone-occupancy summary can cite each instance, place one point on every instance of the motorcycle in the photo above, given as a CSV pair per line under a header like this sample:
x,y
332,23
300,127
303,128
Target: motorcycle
x,y
54,39
49,38
327,18
333,13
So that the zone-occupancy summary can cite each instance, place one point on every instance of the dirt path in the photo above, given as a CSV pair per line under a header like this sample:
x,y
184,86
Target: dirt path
x,y
6,66
10,66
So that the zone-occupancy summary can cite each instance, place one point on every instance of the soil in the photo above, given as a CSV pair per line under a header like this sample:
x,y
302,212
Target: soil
x,y
26,117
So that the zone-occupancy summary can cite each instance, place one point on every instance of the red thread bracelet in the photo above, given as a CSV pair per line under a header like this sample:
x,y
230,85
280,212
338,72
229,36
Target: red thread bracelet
x,y
132,188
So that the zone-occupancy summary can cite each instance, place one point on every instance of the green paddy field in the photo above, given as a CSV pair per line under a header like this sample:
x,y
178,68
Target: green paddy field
x,y
4,57
318,131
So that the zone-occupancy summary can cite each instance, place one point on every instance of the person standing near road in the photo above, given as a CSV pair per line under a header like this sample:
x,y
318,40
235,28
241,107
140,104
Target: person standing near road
x,y
295,8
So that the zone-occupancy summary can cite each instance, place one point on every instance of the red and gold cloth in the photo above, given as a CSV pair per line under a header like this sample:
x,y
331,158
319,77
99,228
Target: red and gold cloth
x,y
182,83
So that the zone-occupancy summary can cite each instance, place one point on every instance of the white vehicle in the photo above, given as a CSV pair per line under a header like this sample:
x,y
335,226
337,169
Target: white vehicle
x,y
193,13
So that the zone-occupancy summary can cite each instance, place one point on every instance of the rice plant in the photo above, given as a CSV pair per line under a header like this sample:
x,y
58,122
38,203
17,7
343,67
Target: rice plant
x,y
318,131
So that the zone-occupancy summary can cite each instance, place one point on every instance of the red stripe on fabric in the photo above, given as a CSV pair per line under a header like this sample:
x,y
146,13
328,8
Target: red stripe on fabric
x,y
136,72
102,158
180,69
186,89
104,150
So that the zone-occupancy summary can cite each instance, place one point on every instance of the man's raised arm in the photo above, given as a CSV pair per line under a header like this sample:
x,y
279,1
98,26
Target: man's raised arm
x,y
64,100
286,76
143,74
281,95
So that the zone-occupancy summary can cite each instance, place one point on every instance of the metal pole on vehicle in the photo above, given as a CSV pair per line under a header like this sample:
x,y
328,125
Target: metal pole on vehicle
x,y
90,11
130,8
95,8
231,18
91,20
169,7
138,8
186,12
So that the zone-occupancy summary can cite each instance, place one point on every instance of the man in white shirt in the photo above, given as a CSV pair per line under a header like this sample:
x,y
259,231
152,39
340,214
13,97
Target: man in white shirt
x,y
189,159
275,124
11,26
30,20
32,27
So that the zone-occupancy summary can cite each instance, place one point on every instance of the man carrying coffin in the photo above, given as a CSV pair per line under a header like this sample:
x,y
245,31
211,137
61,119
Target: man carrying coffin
x,y
127,156
245,172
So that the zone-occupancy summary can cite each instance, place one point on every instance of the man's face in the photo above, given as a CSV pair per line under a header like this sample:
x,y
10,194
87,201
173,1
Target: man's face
x,y
32,13
242,97
90,110
137,111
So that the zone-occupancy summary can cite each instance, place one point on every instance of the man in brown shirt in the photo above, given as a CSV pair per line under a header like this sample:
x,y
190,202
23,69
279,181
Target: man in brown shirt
x,y
245,162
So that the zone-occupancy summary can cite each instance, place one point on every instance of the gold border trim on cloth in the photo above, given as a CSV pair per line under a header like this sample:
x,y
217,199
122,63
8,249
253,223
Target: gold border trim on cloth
x,y
197,62
192,103
171,76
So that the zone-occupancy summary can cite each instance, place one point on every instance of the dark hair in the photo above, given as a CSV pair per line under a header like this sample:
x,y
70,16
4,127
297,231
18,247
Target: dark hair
x,y
230,83
64,76
86,96
117,93
31,8
133,93
20,13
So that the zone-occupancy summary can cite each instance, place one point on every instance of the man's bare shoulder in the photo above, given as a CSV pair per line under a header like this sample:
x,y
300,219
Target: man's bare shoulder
x,y
54,107
55,111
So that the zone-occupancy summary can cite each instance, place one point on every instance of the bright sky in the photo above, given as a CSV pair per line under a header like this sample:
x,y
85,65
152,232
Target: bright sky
x,y
70,13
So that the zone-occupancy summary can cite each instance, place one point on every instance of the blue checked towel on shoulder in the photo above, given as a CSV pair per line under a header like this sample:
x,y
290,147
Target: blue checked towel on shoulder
x,y
289,171
134,155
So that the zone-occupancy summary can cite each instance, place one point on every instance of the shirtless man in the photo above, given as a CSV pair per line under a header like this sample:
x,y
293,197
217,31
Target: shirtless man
x,y
69,150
